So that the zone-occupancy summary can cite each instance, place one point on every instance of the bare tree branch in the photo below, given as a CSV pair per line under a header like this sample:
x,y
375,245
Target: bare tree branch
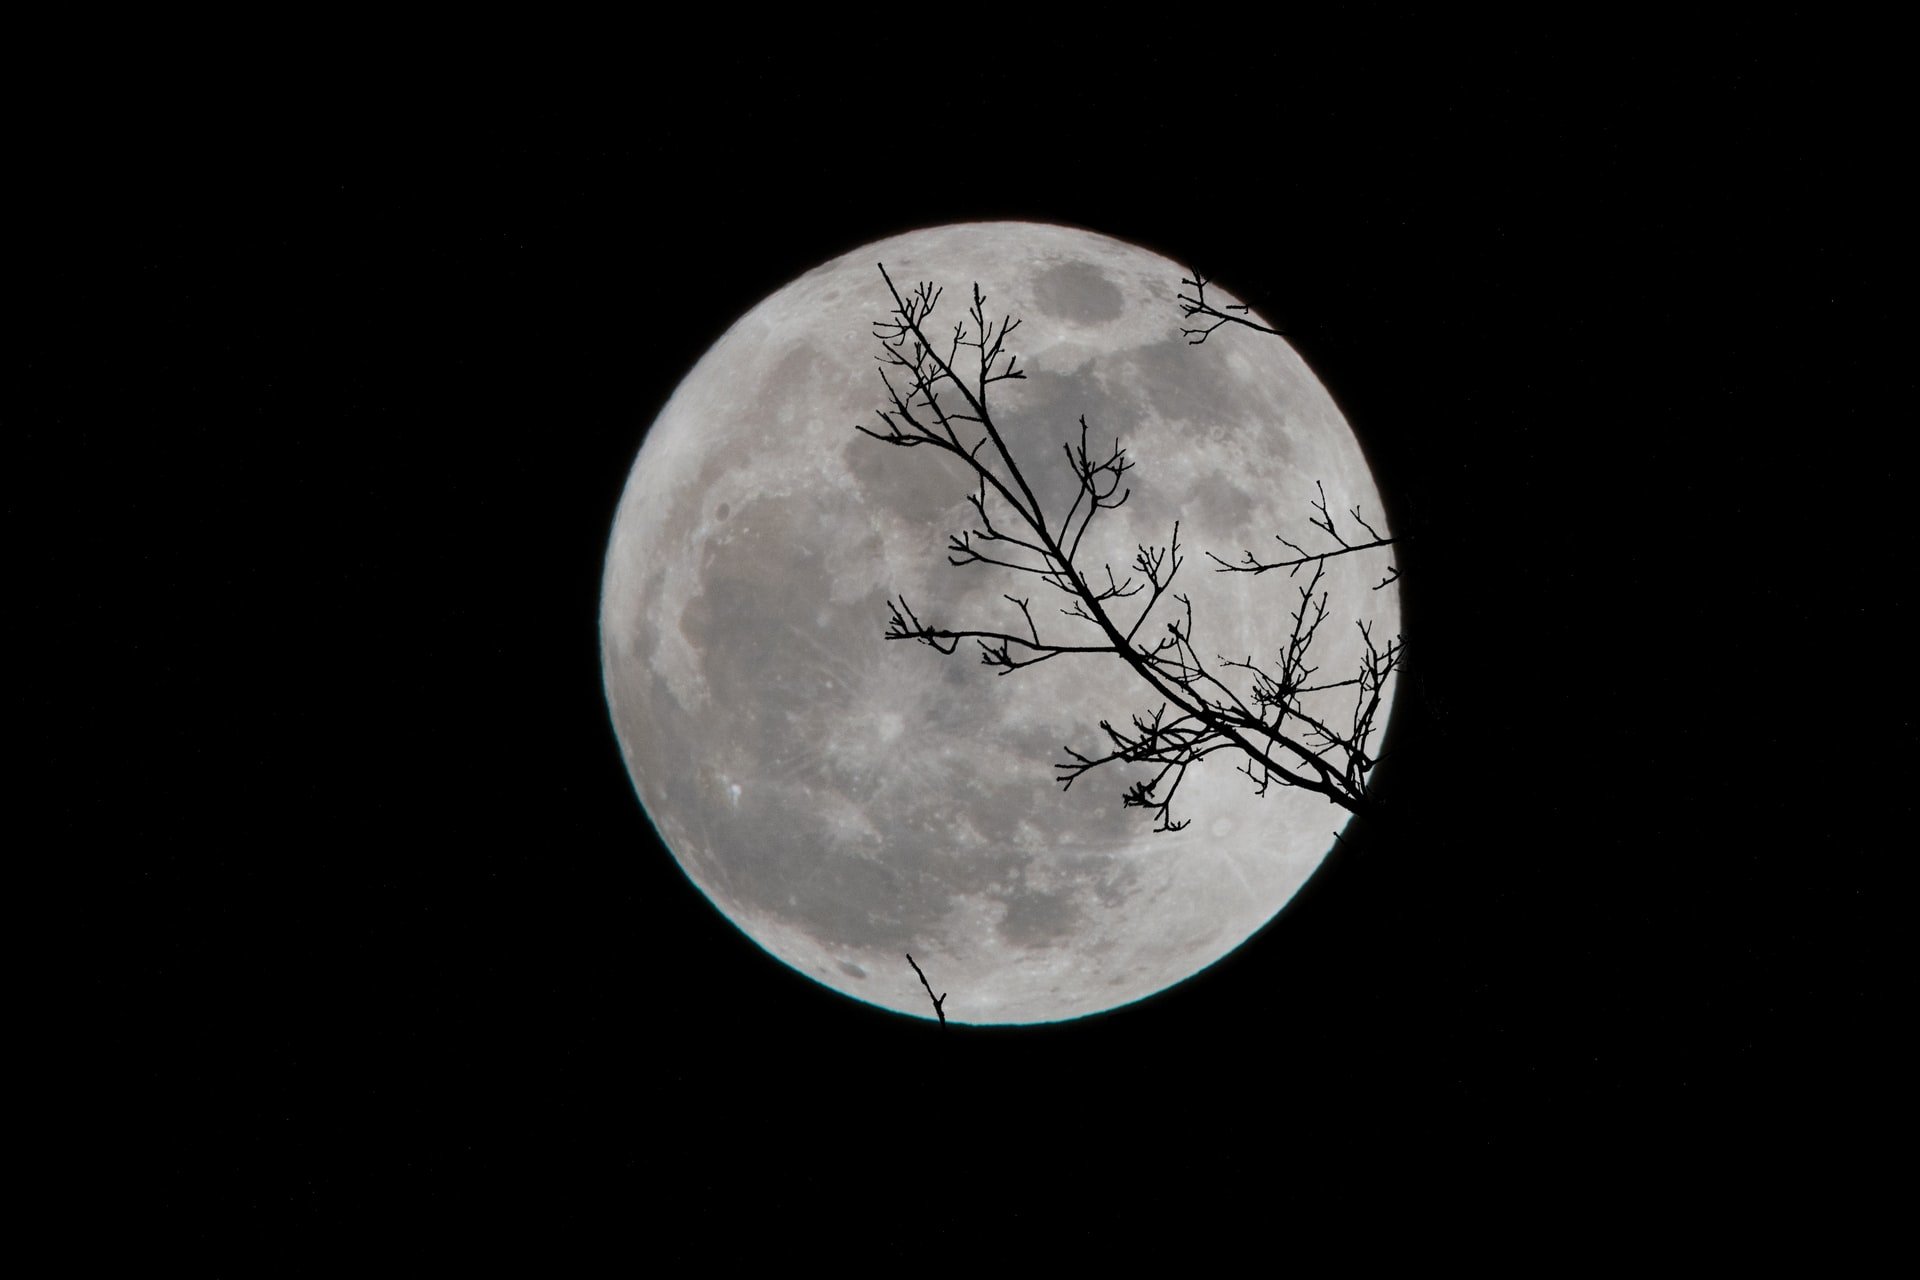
x,y
1260,715
1248,563
939,1001
1196,304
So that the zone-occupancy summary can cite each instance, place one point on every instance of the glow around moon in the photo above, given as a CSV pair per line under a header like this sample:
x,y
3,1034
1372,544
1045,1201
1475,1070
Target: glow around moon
x,y
844,799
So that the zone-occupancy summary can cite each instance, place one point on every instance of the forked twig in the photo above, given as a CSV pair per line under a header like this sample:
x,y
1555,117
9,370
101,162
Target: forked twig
x,y
939,1001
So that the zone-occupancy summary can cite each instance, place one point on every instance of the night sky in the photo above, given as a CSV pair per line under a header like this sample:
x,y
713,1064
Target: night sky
x,y
324,422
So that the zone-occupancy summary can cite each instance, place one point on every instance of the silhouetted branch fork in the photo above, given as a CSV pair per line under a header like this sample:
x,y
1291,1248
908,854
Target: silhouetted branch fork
x,y
939,1001
990,343
1360,520
1117,590
1249,563
961,551
1196,304
947,438
904,624
1171,744
1293,658
1150,561
1088,472
988,530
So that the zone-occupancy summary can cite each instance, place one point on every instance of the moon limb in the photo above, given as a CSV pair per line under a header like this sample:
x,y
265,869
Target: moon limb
x,y
843,799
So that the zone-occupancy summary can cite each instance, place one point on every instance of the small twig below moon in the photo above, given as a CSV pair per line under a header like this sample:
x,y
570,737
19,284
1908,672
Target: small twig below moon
x,y
939,1000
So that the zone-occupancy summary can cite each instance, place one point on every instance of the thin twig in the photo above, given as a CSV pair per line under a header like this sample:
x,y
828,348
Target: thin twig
x,y
939,1001
1196,304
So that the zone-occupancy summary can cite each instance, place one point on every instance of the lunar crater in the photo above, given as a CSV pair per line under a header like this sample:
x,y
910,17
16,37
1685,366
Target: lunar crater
x,y
1078,291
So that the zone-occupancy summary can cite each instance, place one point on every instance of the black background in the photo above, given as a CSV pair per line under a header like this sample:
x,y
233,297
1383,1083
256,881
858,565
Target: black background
x,y
325,419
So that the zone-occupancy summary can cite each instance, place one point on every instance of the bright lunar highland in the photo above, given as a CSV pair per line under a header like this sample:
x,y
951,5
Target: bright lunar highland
x,y
844,798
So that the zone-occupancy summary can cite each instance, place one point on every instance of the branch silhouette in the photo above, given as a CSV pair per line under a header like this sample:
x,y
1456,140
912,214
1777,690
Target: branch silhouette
x,y
939,396
939,1002
1196,304
1249,563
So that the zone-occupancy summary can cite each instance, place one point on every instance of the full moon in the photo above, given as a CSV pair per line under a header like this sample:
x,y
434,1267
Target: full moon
x,y
845,799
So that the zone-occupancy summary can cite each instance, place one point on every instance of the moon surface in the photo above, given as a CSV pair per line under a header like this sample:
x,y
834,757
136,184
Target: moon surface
x,y
845,799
